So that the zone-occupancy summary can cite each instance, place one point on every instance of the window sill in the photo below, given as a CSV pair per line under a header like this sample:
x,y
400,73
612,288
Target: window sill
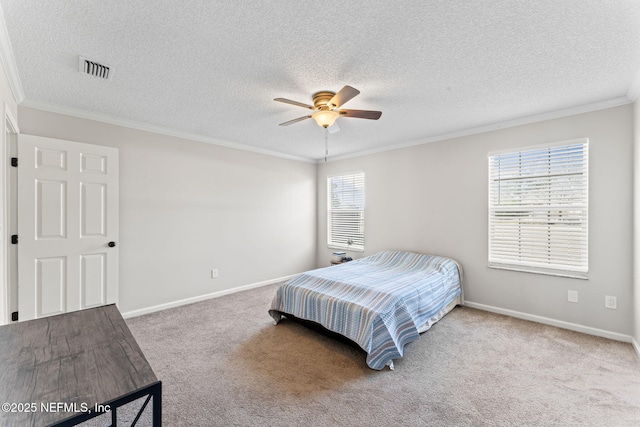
x,y
547,272
344,248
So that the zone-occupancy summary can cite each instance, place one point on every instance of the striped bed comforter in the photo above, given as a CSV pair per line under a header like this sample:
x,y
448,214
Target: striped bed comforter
x,y
379,302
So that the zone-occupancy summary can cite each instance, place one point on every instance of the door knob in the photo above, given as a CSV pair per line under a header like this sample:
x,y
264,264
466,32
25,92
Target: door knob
x,y
111,244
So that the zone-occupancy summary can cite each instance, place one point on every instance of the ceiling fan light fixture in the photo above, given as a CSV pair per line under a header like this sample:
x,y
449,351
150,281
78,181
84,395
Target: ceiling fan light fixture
x,y
326,106
325,118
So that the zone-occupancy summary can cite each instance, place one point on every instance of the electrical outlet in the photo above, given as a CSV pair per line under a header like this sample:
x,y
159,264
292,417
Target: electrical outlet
x,y
572,296
214,273
610,302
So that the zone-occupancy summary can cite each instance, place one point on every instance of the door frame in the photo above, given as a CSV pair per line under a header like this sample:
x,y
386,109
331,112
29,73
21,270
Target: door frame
x,y
10,127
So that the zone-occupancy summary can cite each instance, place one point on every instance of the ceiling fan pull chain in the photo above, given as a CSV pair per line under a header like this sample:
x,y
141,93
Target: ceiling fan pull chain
x,y
326,144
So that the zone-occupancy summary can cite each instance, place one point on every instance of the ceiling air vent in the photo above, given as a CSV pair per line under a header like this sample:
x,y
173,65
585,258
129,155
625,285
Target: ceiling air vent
x,y
94,68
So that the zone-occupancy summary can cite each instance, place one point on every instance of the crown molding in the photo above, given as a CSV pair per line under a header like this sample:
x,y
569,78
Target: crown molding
x,y
572,111
133,124
9,62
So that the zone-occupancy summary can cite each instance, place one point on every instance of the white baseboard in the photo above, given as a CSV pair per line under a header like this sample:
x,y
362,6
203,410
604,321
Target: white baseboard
x,y
140,312
636,346
553,322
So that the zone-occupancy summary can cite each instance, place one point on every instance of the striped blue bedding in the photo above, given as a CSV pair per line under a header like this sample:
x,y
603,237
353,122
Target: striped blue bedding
x,y
379,302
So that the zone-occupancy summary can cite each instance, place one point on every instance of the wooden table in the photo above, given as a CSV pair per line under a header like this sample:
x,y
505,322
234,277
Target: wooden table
x,y
62,370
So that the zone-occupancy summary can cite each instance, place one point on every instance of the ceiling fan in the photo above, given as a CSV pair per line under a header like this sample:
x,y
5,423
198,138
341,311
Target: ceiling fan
x,y
326,107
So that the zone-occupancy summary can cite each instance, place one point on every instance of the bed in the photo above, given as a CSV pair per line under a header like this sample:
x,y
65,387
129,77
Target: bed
x,y
381,302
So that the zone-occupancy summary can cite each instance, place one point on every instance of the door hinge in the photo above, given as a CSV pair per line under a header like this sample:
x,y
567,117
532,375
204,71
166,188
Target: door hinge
x,y
14,162
14,239
14,316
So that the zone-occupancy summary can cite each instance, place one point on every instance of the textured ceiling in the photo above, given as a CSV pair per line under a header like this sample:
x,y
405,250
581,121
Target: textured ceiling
x,y
211,69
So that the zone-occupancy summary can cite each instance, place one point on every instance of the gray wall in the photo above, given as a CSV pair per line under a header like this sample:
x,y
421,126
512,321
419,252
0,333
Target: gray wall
x,y
432,198
187,207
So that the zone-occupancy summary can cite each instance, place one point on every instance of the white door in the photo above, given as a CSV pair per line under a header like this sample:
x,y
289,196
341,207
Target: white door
x,y
67,226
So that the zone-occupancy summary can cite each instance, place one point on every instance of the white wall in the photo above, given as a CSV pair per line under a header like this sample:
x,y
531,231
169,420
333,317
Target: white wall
x,y
636,225
432,198
7,107
187,207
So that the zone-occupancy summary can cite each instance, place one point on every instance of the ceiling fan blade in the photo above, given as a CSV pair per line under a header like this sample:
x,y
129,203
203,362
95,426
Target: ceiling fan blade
x,y
299,104
361,114
344,95
299,119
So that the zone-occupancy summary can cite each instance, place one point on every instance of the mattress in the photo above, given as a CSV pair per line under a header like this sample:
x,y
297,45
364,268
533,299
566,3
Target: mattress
x,y
381,302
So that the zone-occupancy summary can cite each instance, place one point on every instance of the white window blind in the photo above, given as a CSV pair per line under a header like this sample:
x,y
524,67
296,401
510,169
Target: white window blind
x,y
345,216
538,209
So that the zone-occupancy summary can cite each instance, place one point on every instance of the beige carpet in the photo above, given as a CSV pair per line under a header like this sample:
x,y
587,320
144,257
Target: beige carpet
x,y
224,363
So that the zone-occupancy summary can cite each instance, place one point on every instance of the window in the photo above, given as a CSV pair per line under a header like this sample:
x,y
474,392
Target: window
x,y
345,211
538,209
